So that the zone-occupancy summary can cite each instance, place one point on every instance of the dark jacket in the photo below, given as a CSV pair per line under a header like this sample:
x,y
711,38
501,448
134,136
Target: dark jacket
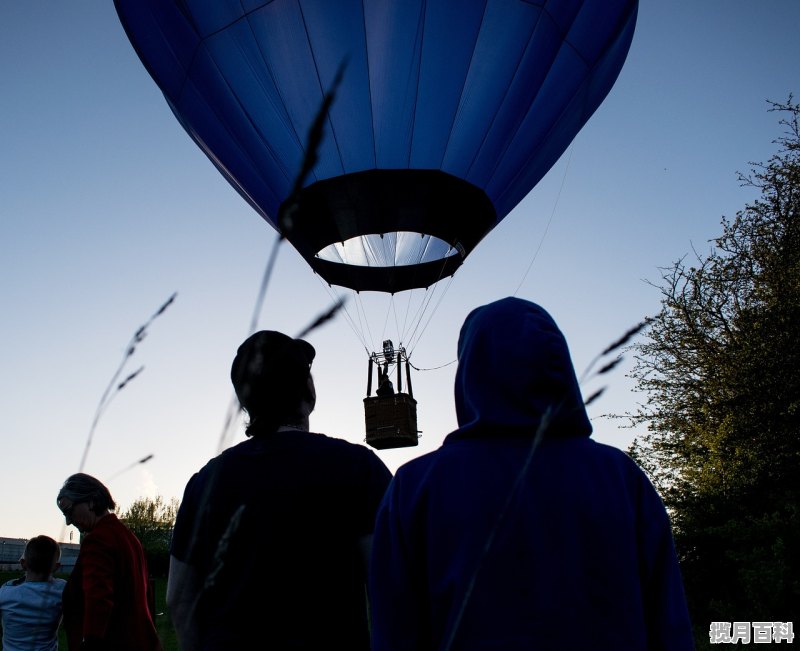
x,y
106,595
488,544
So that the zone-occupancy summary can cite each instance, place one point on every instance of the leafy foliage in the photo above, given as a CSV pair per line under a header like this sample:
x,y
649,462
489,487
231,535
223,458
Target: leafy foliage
x,y
152,521
721,367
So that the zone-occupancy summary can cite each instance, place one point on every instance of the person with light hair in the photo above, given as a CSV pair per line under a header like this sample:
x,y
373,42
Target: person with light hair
x,y
106,596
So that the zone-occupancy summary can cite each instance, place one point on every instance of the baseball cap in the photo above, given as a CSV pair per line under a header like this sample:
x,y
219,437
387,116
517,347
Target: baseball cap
x,y
270,369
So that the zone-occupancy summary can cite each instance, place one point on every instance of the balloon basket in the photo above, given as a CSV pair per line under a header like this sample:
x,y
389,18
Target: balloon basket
x,y
391,421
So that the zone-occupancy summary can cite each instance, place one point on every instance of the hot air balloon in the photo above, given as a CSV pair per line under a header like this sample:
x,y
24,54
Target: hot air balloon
x,y
446,114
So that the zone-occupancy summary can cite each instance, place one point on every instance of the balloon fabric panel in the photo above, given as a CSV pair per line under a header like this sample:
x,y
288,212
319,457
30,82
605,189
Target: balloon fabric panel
x,y
447,113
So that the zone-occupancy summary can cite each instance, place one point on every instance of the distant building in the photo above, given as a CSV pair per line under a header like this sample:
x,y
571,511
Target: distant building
x,y
11,550
69,554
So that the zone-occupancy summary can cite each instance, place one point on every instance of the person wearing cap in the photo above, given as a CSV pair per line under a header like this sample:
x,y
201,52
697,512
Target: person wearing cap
x,y
271,540
520,532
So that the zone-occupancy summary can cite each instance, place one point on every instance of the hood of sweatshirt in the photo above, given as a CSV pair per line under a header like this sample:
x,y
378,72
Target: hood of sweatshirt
x,y
515,375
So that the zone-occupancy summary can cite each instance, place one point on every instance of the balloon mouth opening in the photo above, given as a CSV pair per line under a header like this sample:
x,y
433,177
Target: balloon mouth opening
x,y
397,249
388,230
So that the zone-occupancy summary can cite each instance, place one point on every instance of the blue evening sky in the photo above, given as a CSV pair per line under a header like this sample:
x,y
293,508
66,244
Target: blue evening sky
x,y
107,208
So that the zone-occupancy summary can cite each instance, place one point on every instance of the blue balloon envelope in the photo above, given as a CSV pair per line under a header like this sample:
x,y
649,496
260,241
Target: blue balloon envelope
x,y
447,113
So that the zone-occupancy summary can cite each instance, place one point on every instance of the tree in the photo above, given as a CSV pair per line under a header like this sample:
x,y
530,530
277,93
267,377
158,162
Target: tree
x,y
152,521
720,365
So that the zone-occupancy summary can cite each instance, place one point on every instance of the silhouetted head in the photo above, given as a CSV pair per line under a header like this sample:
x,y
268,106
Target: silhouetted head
x,y
515,373
271,375
41,555
84,500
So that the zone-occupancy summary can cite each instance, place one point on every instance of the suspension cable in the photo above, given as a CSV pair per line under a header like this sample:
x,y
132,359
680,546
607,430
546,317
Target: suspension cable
x,y
549,221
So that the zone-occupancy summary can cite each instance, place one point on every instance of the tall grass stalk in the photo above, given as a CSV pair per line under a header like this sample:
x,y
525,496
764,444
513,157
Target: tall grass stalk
x,y
114,385
286,222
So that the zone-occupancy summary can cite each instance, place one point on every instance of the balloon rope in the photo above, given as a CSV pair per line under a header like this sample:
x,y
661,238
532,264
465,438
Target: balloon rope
x,y
435,309
363,319
426,301
405,317
386,318
396,320
547,227
348,317
434,368
420,313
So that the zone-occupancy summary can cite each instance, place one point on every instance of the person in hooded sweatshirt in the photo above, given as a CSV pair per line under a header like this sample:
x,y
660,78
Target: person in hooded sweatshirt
x,y
521,532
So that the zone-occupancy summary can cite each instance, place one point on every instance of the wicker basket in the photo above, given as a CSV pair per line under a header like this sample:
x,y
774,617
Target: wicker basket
x,y
391,421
